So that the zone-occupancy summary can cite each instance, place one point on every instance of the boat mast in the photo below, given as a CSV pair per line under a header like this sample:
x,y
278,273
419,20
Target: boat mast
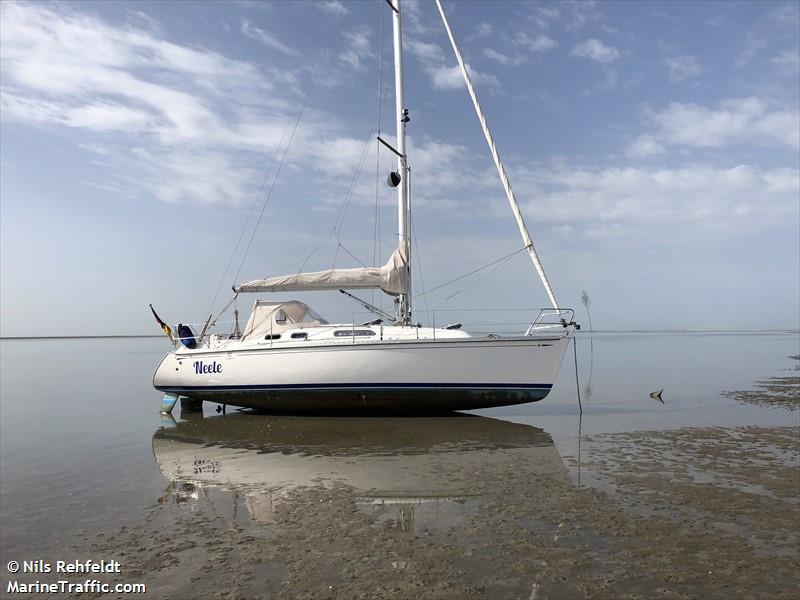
x,y
403,205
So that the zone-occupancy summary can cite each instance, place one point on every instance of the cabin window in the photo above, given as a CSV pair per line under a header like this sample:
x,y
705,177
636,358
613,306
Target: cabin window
x,y
300,336
353,332
275,336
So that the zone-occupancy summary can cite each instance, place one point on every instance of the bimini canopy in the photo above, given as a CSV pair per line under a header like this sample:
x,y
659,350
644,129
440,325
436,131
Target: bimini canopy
x,y
392,278
272,318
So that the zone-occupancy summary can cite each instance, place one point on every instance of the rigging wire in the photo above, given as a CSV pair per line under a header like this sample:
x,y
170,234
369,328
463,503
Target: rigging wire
x,y
342,209
419,267
479,269
336,229
280,164
250,214
262,186
342,212
475,282
222,312
339,221
314,250
335,256
358,260
353,181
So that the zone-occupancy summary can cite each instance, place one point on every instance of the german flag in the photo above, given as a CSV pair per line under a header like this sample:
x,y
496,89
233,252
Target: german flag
x,y
167,329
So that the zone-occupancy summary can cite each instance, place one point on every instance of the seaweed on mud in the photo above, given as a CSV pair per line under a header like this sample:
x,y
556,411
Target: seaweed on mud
x,y
774,392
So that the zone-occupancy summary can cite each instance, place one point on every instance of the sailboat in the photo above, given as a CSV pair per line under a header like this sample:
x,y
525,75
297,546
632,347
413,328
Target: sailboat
x,y
288,358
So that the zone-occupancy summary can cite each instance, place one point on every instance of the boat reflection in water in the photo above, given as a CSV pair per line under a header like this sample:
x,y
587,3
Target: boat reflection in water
x,y
414,473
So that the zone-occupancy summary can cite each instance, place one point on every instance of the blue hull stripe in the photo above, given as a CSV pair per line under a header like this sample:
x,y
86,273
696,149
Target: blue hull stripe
x,y
362,386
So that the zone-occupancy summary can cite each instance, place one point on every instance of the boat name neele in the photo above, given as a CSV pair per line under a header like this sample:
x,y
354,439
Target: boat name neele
x,y
200,367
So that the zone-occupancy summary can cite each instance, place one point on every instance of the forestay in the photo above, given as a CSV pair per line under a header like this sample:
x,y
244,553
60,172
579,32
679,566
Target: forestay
x,y
512,200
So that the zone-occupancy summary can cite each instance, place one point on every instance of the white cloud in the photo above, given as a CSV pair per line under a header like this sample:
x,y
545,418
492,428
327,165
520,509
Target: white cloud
x,y
788,58
503,59
774,27
266,38
548,12
358,48
582,12
146,20
538,43
432,58
425,51
175,115
596,50
333,7
741,196
439,173
450,78
417,21
747,120
99,117
62,65
43,40
190,112
482,30
197,176
339,156
785,16
107,116
644,146
544,15
683,67
753,45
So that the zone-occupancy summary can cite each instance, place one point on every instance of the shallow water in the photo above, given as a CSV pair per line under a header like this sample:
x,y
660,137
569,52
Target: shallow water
x,y
85,454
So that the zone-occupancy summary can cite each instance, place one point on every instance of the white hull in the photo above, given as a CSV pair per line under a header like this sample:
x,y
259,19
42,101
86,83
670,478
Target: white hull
x,y
446,374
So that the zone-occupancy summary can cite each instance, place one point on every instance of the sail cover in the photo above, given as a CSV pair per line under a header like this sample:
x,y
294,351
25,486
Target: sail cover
x,y
273,318
392,278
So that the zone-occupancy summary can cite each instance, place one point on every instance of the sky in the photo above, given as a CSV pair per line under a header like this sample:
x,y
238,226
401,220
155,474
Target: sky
x,y
654,149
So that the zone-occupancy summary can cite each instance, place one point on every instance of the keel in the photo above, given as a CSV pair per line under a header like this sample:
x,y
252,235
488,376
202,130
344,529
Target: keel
x,y
191,405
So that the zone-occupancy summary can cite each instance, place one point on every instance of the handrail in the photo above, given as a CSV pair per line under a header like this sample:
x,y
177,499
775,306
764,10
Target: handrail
x,y
546,321
551,318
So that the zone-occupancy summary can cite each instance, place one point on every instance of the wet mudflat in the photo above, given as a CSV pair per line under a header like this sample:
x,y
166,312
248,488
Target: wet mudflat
x,y
694,513
698,497
776,392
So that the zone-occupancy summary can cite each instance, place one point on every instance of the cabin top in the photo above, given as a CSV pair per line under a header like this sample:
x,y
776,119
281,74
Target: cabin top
x,y
274,318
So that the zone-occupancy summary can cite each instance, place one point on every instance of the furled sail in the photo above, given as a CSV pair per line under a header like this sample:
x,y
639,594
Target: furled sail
x,y
392,278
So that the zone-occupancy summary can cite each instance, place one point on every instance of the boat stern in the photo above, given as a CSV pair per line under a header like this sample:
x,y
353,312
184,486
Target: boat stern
x,y
163,378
